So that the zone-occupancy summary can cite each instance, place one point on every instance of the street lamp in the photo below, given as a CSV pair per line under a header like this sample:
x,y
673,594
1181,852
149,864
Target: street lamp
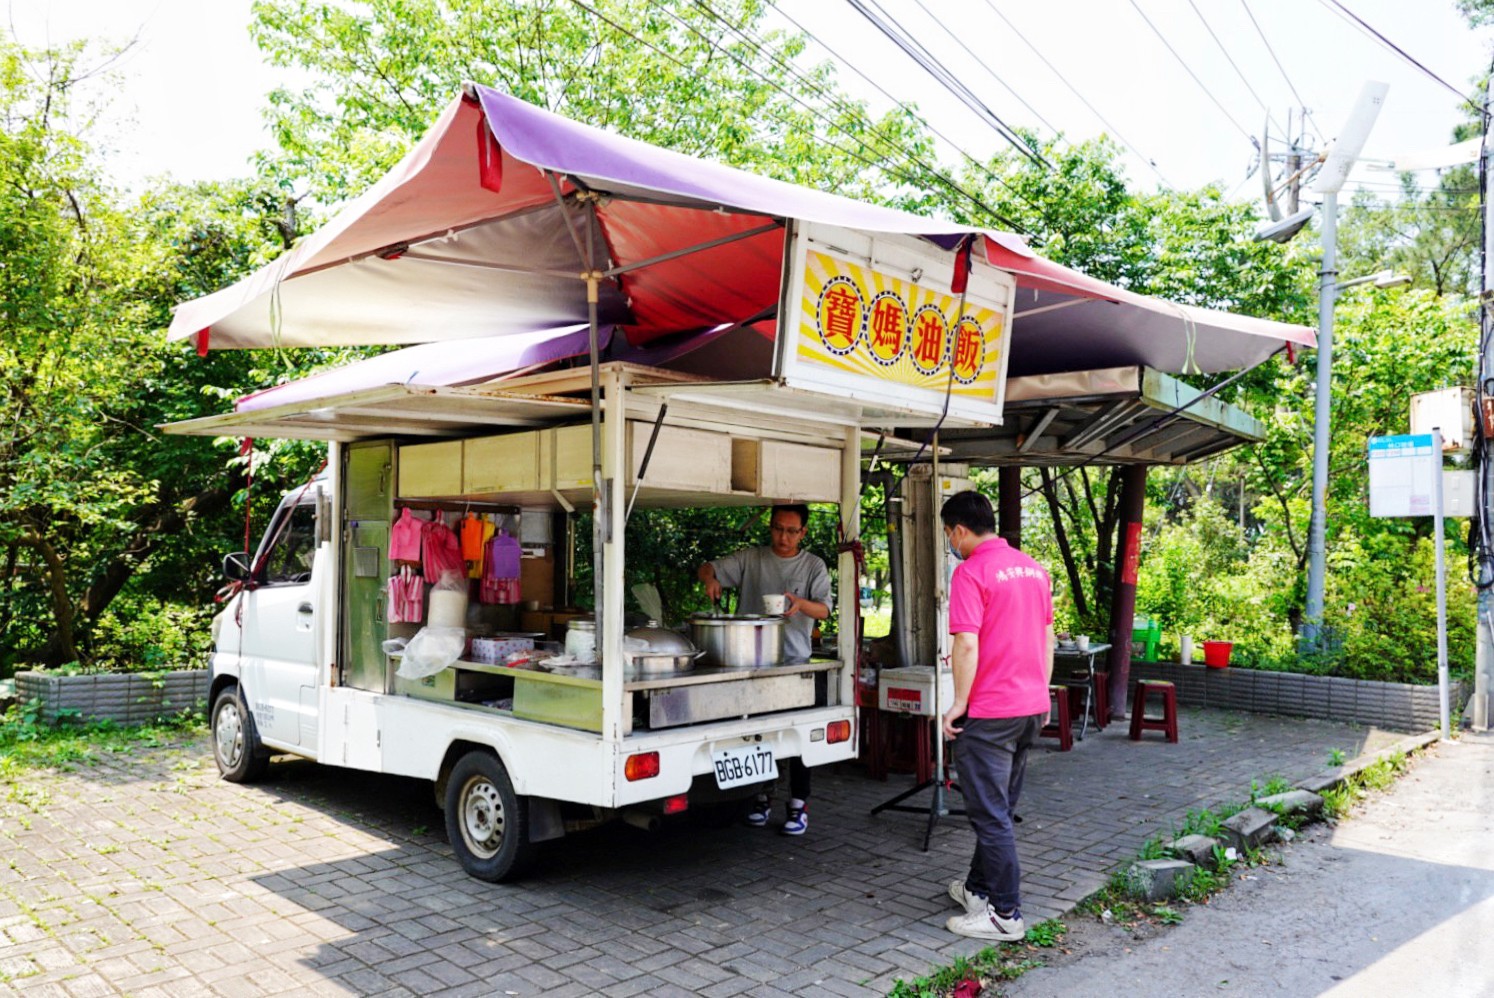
x,y
1329,182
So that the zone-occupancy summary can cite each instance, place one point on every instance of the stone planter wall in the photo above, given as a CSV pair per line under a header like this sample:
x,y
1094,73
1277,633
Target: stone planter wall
x,y
1396,706
123,697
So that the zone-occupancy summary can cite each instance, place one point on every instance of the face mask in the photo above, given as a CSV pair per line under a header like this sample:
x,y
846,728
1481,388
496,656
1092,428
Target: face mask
x,y
949,544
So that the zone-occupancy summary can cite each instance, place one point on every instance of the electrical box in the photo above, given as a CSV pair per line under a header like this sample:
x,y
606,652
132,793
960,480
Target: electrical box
x,y
1450,411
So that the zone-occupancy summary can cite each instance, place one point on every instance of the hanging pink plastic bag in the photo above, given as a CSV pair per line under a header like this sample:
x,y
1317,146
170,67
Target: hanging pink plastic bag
x,y
442,552
404,538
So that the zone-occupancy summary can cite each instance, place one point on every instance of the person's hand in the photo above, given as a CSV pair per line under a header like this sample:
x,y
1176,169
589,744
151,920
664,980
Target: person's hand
x,y
713,588
951,717
792,606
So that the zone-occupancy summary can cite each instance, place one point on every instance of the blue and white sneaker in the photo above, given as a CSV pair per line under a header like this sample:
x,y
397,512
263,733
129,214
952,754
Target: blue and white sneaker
x,y
797,821
762,810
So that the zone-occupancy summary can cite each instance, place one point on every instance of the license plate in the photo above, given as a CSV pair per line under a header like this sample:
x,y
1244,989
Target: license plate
x,y
747,764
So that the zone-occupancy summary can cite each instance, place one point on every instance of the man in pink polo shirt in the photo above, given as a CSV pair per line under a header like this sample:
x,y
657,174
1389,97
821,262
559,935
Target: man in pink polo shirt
x,y
1001,617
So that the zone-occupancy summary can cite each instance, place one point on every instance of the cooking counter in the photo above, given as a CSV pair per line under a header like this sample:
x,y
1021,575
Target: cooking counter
x,y
704,693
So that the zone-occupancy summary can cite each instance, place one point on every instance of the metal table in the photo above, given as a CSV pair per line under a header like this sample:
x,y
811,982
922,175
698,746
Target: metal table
x,y
1088,655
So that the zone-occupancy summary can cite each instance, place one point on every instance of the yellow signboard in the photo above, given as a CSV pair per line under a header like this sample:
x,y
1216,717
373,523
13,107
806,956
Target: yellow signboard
x,y
857,321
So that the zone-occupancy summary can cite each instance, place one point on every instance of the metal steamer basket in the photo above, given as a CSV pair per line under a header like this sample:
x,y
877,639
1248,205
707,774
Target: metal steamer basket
x,y
738,641
658,651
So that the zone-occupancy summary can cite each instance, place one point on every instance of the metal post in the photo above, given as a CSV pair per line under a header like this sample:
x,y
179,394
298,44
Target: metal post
x,y
1123,586
1483,669
1009,504
1322,415
1441,562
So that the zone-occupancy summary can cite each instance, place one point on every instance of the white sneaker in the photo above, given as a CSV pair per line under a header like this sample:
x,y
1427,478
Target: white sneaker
x,y
762,810
965,899
796,819
986,924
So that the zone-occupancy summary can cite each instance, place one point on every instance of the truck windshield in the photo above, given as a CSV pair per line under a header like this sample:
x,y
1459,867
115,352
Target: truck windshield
x,y
292,545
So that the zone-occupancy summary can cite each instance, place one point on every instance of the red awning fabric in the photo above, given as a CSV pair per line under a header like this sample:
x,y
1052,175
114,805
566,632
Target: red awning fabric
x,y
432,252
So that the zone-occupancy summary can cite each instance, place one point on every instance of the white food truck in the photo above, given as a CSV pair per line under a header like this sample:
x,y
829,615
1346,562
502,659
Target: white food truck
x,y
518,755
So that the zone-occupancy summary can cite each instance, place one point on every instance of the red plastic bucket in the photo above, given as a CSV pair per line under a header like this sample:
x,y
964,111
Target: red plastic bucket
x,y
1216,653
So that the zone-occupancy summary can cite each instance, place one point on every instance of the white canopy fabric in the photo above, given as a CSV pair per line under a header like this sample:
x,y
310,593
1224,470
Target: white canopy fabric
x,y
465,239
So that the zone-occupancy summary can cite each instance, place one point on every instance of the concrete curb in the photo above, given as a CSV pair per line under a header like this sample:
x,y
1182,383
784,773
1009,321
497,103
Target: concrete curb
x,y
1336,776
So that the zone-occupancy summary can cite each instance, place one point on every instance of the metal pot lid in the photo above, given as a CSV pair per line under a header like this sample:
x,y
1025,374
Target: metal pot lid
x,y
736,618
658,641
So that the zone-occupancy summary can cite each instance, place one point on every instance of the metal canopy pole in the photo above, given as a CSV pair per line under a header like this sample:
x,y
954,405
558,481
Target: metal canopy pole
x,y
938,805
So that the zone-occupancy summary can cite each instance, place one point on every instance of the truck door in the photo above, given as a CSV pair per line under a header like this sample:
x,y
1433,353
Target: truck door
x,y
368,488
280,632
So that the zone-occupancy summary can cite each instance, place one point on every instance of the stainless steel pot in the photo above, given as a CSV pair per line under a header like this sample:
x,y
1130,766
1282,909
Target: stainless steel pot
x,y
740,641
658,651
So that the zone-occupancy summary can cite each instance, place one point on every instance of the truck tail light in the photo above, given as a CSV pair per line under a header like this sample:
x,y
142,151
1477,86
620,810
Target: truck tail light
x,y
643,766
838,731
677,804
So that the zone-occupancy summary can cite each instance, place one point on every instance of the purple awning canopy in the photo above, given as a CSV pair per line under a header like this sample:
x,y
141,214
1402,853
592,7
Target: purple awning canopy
x,y
465,239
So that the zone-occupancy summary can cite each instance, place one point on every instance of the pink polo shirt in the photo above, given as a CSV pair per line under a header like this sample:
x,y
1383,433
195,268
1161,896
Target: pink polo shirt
x,y
1004,598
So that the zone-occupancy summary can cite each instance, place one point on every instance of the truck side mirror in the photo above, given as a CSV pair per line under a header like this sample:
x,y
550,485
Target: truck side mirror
x,y
237,567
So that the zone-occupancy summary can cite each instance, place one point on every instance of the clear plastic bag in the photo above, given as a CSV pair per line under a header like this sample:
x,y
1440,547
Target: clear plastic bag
x,y
431,650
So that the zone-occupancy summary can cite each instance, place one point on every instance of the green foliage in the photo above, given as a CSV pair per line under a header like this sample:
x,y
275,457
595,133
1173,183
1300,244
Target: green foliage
x,y
1377,777
27,743
1002,962
676,74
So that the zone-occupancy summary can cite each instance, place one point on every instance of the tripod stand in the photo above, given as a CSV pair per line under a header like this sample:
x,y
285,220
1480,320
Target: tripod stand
x,y
937,808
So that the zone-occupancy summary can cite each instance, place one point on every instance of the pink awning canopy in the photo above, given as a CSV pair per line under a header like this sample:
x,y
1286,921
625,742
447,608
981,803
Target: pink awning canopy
x,y
465,239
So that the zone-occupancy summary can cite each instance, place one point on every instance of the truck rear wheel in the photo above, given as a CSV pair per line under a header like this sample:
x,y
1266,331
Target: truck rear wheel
x,y
236,746
486,822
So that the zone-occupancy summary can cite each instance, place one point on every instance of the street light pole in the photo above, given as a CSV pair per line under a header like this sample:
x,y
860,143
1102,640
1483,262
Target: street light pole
x,y
1322,415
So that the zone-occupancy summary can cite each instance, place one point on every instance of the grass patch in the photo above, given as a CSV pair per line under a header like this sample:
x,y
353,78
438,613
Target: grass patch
x,y
1339,801
27,743
1002,962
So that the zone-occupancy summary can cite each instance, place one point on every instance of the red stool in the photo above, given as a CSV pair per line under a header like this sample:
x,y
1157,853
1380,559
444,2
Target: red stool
x,y
1062,725
1102,700
1168,722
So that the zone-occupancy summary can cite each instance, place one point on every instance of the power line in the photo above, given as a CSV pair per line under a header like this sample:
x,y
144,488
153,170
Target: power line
x,y
1364,26
761,47
1233,65
849,152
1207,92
819,115
1076,92
912,48
917,117
982,63
1265,41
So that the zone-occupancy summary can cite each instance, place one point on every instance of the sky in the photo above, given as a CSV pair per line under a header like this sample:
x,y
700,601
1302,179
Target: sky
x,y
194,82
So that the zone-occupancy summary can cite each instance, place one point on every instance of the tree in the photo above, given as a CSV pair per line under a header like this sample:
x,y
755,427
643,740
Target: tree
x,y
708,80
94,503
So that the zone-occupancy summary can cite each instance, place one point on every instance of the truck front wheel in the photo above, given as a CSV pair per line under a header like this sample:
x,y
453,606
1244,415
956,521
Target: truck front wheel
x,y
236,748
486,822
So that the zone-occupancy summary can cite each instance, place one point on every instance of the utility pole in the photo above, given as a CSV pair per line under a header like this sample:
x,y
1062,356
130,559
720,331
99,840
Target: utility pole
x,y
1317,567
1484,647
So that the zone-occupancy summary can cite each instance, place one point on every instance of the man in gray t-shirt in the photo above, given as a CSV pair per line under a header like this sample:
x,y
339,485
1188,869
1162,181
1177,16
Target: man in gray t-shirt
x,y
802,578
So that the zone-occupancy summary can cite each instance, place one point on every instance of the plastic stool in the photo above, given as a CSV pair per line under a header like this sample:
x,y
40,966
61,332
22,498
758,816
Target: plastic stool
x,y
1168,722
1062,725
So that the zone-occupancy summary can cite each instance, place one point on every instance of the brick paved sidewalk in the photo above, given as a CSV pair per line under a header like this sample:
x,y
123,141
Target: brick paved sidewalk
x,y
146,875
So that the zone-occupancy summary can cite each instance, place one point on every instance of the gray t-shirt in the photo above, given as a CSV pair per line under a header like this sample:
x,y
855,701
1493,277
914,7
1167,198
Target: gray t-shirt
x,y
758,572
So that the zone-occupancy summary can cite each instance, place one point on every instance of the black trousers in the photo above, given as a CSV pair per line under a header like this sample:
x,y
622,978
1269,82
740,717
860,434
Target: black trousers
x,y
991,756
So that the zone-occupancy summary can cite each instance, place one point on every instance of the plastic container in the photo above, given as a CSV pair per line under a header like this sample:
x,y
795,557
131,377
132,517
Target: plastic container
x,y
910,690
1216,653
581,640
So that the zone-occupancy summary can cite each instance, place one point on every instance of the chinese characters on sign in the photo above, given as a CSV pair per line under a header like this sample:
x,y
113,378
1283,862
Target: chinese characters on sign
x,y
859,321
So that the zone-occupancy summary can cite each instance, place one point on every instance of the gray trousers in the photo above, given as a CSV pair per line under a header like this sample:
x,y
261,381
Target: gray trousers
x,y
991,757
